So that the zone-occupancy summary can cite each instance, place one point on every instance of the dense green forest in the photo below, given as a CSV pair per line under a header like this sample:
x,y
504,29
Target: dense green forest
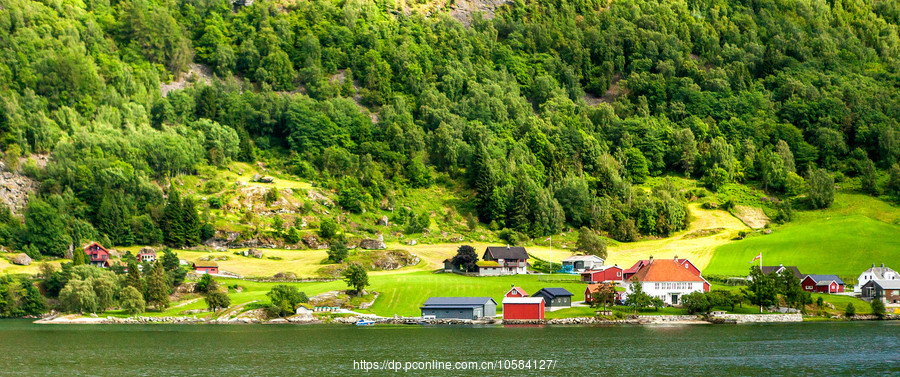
x,y
553,113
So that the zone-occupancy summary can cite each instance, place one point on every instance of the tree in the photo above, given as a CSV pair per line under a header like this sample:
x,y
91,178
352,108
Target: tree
x,y
132,301
173,220
216,300
31,302
604,295
637,299
191,224
45,229
762,289
878,309
133,278
78,297
821,188
78,257
158,288
590,242
696,302
850,311
172,265
356,277
284,300
337,252
206,284
328,229
465,258
790,289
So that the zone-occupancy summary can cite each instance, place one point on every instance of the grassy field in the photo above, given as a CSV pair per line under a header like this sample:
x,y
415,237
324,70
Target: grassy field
x,y
844,240
698,249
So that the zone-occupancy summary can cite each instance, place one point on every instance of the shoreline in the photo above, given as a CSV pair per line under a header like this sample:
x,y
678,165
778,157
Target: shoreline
x,y
645,320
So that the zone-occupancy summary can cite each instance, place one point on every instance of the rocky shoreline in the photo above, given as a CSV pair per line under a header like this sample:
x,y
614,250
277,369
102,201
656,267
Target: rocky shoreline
x,y
576,321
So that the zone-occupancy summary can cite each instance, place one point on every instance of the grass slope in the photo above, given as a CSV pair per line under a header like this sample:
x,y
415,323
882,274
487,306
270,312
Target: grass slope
x,y
844,240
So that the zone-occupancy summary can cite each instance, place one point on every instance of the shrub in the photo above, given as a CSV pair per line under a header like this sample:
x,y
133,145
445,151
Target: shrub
x,y
850,311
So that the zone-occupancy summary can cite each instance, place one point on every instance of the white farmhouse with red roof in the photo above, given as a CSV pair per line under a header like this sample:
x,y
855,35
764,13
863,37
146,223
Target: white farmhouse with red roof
x,y
668,279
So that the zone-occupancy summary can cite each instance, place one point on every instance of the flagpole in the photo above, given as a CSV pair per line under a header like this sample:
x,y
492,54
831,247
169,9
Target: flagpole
x,y
551,258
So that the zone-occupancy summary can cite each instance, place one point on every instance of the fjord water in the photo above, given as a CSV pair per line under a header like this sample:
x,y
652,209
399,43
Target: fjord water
x,y
815,349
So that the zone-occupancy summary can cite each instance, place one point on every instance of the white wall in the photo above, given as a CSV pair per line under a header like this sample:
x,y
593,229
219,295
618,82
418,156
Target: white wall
x,y
665,290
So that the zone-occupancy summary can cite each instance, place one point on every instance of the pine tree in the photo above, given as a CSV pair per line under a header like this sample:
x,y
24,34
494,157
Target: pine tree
x,y
173,221
158,288
133,279
191,223
78,257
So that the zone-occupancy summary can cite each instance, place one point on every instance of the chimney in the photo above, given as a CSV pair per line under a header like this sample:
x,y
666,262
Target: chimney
x,y
676,258
873,265
882,265
507,246
651,259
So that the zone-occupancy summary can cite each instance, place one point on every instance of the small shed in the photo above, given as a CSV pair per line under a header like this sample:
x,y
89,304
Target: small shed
x,y
555,297
523,308
206,267
459,307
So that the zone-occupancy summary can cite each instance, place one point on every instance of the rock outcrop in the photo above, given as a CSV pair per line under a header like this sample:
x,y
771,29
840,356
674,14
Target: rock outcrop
x,y
21,259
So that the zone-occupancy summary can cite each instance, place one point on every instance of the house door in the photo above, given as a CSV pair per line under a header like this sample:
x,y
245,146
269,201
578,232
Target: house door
x,y
674,299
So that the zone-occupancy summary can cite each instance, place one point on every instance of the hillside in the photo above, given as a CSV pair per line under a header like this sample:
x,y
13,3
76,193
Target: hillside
x,y
844,240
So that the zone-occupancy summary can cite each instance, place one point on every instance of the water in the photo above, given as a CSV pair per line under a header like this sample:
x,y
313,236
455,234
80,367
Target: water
x,y
808,349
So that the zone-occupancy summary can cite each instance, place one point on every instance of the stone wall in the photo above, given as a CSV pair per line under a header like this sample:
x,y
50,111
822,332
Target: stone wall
x,y
759,318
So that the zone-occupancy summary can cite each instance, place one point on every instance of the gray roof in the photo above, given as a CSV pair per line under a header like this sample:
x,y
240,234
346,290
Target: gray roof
x,y
886,284
879,271
457,302
553,292
505,252
826,278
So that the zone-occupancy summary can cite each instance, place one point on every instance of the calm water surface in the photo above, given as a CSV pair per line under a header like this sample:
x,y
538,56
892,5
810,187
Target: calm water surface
x,y
810,349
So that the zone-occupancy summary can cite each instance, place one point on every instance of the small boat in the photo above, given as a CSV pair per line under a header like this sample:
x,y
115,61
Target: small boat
x,y
365,322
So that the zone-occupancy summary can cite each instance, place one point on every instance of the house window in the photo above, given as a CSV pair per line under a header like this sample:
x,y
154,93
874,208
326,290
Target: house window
x,y
619,273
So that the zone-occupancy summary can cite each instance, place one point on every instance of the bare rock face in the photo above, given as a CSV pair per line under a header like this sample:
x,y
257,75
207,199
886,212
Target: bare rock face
x,y
383,221
266,179
312,241
14,190
372,244
21,259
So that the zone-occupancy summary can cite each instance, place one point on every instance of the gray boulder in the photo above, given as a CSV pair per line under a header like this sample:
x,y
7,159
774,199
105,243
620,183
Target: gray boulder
x,y
372,244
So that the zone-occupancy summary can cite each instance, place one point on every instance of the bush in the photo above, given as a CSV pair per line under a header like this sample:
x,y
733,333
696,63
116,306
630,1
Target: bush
x,y
328,229
337,252
850,311
284,300
878,309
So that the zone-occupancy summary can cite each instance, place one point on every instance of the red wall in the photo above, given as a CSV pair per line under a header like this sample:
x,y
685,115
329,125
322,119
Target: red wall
x,y
610,274
523,311
208,270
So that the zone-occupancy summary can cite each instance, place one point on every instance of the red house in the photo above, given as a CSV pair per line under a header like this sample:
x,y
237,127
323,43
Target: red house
x,y
523,308
516,292
822,284
685,263
603,273
593,288
206,267
97,254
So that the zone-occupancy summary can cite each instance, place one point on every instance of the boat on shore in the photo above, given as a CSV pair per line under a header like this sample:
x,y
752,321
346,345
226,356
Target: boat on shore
x,y
365,322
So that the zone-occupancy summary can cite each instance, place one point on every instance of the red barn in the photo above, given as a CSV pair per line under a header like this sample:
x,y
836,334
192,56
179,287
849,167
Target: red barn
x,y
206,267
603,273
523,308
97,254
516,292
822,284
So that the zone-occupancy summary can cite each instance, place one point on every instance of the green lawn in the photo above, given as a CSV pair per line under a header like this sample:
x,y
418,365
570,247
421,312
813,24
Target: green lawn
x,y
843,240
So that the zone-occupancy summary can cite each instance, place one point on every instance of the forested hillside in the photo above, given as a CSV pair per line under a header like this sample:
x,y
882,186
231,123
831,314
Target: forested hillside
x,y
552,114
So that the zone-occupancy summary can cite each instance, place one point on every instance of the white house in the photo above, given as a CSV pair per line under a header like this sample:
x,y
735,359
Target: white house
x,y
580,263
669,279
875,273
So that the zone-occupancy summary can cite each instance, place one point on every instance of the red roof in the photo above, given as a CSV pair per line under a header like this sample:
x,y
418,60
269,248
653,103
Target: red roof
x,y
92,244
637,266
666,270
517,289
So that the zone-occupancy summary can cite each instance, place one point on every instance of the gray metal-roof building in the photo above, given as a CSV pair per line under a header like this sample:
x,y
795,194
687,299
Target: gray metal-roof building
x,y
459,307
